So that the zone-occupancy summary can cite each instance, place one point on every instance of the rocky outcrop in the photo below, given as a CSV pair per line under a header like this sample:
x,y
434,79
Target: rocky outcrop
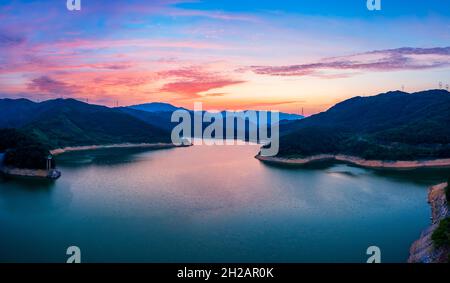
x,y
422,250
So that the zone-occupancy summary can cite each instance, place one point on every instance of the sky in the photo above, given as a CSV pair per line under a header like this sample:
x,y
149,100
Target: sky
x,y
284,55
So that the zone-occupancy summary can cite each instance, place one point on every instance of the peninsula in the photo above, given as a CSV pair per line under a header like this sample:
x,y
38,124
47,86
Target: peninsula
x,y
390,130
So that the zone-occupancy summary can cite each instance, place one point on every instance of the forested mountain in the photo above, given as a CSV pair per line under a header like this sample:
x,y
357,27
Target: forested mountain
x,y
69,122
389,126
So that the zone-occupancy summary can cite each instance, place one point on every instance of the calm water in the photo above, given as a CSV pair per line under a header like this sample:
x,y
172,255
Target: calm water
x,y
203,204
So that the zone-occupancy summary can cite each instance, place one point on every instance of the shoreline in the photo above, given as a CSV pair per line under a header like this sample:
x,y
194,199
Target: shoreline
x,y
423,249
413,164
30,173
59,151
55,174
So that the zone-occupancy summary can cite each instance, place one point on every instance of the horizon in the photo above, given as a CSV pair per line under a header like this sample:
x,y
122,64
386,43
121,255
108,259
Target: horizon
x,y
214,110
226,56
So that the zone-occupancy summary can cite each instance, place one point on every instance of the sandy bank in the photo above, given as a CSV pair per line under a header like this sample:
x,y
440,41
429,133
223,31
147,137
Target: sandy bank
x,y
122,145
358,161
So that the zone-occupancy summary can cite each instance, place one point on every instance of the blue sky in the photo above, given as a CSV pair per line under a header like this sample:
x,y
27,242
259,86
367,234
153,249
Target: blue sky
x,y
332,8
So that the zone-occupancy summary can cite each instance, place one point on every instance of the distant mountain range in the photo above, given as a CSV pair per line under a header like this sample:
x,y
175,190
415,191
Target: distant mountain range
x,y
158,107
159,115
389,126
155,107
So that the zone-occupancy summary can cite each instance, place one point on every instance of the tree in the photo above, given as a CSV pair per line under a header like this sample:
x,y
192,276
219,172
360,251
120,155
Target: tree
x,y
441,236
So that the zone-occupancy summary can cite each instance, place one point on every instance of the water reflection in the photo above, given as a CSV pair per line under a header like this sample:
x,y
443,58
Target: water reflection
x,y
103,157
423,176
32,196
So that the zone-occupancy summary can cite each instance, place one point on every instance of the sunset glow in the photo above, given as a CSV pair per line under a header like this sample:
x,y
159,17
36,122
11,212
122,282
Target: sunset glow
x,y
281,56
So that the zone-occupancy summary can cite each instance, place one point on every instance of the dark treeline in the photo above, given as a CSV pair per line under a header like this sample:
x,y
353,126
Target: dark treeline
x,y
23,150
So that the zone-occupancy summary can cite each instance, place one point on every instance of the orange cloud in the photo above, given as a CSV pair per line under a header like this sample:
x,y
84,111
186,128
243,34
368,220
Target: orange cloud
x,y
193,88
191,82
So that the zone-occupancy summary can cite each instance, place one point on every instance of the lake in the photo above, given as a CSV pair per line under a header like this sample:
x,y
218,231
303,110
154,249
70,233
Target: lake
x,y
211,204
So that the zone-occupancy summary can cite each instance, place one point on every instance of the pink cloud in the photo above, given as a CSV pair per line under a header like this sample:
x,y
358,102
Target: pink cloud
x,y
380,60
9,40
48,85
111,66
82,54
121,43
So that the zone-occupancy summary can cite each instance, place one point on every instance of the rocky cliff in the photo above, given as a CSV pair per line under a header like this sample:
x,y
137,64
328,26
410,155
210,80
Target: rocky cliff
x,y
422,250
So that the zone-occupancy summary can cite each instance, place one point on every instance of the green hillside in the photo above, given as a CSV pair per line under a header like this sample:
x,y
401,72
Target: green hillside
x,y
68,122
390,126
